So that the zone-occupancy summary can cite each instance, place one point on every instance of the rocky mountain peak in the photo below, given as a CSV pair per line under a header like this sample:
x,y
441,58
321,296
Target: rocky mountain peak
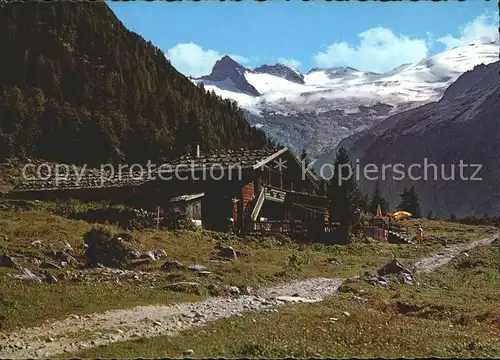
x,y
227,68
227,63
282,71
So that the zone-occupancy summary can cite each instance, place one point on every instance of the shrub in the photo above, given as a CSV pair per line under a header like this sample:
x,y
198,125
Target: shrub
x,y
103,247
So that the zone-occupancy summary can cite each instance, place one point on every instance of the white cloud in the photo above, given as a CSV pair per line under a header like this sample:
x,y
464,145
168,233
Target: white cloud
x,y
379,50
482,28
191,59
293,63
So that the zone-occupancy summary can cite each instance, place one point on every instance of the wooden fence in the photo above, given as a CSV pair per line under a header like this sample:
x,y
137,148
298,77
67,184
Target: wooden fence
x,y
274,227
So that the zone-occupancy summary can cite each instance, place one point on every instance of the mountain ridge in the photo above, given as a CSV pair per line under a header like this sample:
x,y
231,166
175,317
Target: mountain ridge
x,y
462,126
333,104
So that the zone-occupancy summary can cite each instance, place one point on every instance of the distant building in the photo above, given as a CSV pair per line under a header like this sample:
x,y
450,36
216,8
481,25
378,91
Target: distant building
x,y
189,205
249,191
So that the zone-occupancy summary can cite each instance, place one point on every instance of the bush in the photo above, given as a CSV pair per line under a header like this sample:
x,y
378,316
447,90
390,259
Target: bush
x,y
104,248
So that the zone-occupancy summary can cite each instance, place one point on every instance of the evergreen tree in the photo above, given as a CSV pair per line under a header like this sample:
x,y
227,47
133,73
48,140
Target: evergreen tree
x,y
364,203
303,157
452,217
80,83
343,196
410,202
378,199
430,215
414,203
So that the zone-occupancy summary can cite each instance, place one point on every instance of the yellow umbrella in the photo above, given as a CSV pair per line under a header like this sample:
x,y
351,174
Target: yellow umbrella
x,y
401,214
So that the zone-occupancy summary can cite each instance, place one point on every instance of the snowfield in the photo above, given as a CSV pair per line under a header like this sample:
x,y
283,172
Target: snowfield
x,y
332,104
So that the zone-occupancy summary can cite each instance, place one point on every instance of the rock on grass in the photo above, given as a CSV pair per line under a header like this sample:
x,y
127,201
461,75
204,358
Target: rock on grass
x,y
106,249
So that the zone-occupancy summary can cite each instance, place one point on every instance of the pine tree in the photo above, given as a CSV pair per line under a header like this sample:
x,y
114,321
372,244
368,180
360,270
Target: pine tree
x,y
343,196
304,158
96,69
430,215
364,203
378,199
414,203
410,202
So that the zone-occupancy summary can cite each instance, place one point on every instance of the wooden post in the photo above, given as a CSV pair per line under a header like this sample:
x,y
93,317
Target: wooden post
x,y
157,217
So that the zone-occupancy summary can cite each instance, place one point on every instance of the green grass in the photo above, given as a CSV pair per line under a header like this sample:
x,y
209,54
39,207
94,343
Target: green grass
x,y
269,261
31,304
458,316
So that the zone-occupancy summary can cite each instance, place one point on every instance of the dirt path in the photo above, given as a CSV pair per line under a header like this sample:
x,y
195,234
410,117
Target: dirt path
x,y
442,257
146,321
75,333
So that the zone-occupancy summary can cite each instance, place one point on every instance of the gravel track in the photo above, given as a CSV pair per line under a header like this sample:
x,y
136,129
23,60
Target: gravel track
x,y
444,256
64,336
148,321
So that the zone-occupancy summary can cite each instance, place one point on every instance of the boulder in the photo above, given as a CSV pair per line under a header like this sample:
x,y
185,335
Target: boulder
x,y
8,261
154,255
394,267
138,262
334,261
233,290
49,265
197,268
148,255
228,252
172,265
159,254
376,280
204,273
245,290
186,287
188,352
68,247
28,276
36,242
64,257
51,279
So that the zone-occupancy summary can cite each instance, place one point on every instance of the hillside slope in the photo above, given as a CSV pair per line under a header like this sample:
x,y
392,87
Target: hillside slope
x,y
463,126
82,88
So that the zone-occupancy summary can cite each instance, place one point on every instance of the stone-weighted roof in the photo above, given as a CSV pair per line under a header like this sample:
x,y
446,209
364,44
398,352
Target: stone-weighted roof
x,y
94,178
223,158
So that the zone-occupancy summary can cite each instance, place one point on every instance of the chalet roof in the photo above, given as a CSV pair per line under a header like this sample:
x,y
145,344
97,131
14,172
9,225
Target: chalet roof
x,y
95,179
243,158
91,179
187,197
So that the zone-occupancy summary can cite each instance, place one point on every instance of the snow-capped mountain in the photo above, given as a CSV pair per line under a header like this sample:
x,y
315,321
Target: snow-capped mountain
x,y
227,73
463,126
281,71
318,109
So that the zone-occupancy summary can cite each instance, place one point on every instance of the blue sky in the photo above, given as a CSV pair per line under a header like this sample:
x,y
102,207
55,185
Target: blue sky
x,y
370,36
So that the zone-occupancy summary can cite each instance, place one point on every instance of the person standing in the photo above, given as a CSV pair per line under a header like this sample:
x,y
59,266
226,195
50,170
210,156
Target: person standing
x,y
420,234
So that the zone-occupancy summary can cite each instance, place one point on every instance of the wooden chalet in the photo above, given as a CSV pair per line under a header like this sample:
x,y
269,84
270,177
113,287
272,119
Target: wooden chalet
x,y
251,191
